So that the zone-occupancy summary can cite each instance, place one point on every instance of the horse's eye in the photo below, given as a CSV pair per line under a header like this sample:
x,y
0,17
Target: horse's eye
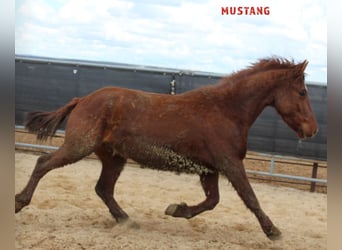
x,y
302,93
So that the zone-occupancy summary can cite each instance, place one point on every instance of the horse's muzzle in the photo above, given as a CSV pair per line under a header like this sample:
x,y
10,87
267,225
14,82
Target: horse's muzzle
x,y
306,132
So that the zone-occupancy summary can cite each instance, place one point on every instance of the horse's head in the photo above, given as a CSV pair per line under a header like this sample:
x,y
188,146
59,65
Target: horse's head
x,y
293,104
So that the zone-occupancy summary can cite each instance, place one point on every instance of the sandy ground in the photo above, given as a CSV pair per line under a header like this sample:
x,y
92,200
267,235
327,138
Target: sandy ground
x,y
65,213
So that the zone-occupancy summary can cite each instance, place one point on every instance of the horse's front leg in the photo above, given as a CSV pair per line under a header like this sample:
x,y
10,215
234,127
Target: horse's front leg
x,y
236,174
209,184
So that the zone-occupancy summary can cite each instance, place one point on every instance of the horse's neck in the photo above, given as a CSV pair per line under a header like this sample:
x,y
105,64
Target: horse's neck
x,y
249,97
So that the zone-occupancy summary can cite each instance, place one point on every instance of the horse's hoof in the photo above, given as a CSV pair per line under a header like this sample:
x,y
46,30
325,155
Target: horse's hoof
x,y
274,234
178,210
171,209
18,207
19,204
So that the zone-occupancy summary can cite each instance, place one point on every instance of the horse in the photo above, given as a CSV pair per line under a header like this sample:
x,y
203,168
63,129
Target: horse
x,y
203,131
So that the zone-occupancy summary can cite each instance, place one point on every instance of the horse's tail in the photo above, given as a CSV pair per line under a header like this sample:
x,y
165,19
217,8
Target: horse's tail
x,y
45,124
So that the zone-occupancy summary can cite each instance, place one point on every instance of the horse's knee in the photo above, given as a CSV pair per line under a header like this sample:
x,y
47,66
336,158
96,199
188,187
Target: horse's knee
x,y
100,192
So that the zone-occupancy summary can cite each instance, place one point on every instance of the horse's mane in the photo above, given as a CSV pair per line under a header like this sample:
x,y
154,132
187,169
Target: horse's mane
x,y
273,63
265,64
238,78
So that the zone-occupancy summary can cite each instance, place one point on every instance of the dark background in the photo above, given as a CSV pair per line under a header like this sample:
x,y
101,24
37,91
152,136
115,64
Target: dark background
x,y
46,83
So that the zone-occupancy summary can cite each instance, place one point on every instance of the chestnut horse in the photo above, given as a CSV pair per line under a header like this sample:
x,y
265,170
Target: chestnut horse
x,y
203,131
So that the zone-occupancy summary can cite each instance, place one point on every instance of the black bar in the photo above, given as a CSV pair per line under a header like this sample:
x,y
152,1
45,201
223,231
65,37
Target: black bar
x,y
314,175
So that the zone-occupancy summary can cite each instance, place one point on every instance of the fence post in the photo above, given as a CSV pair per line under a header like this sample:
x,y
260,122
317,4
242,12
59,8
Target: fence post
x,y
173,86
314,175
272,165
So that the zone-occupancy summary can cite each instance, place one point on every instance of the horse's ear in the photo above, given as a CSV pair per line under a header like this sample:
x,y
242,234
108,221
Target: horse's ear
x,y
302,66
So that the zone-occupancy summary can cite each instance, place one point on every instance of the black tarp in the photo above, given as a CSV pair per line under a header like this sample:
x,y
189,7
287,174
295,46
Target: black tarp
x,y
47,83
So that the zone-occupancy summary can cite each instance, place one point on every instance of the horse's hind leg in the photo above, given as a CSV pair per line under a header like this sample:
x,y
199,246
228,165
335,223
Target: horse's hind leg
x,y
209,184
112,166
45,163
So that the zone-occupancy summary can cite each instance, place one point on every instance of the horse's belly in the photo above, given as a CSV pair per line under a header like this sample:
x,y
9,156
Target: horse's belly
x,y
163,158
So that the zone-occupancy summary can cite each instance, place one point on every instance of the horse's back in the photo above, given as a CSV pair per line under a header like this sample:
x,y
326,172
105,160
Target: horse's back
x,y
109,108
